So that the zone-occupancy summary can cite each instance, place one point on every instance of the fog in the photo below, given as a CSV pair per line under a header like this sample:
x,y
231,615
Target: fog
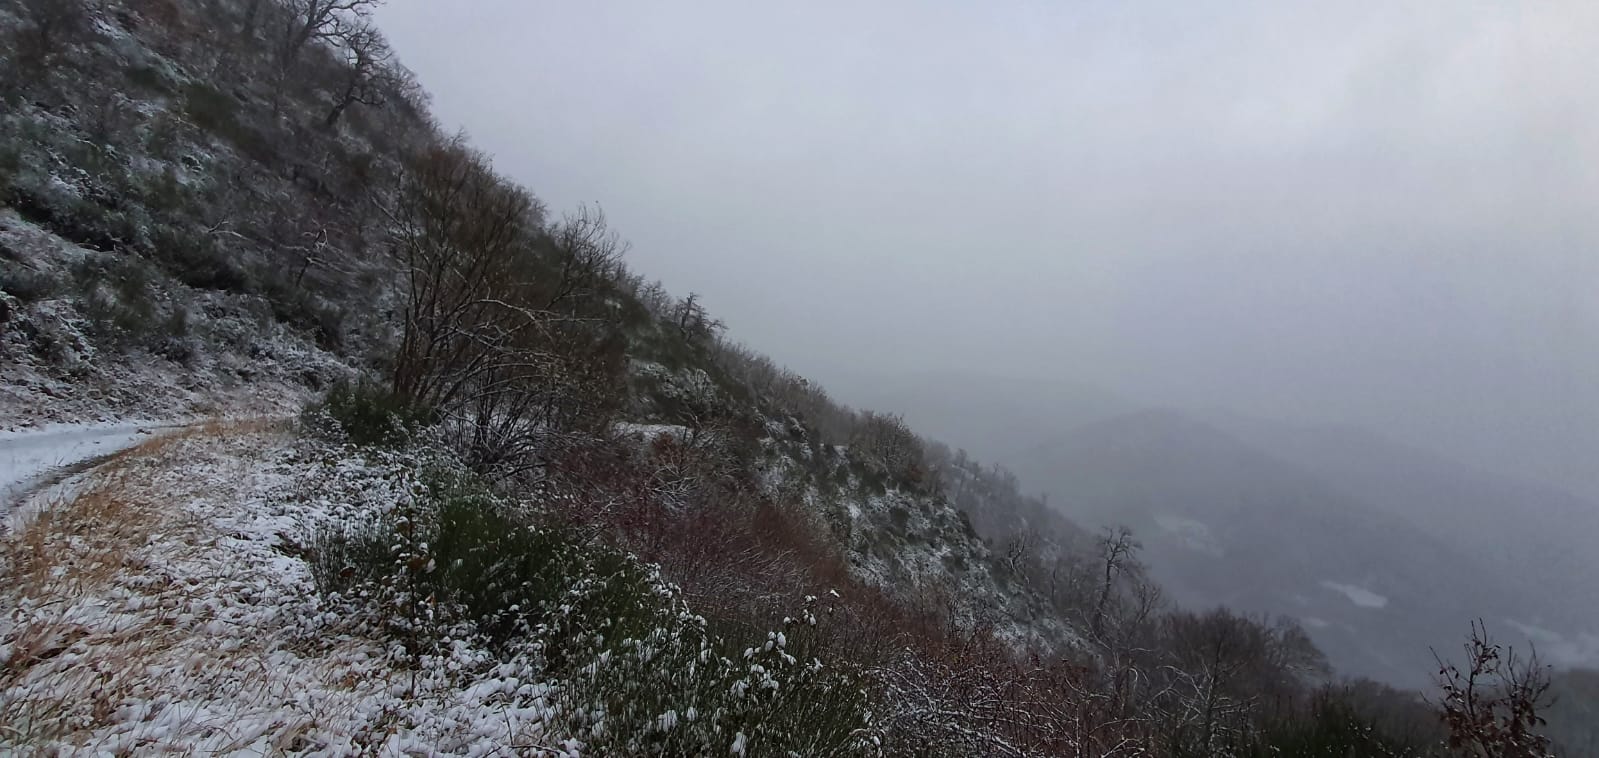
x,y
1376,213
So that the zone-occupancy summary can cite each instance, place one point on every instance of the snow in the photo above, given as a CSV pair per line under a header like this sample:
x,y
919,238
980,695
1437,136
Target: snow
x,y
55,367
30,456
649,432
1196,535
1358,595
207,635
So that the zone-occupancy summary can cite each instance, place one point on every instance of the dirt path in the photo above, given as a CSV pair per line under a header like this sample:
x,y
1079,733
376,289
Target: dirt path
x,y
37,458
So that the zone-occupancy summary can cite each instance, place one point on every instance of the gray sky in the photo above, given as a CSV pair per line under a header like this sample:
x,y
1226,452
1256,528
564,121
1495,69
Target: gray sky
x,y
1380,213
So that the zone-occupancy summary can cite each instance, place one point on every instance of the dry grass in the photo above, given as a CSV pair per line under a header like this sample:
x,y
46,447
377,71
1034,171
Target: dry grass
x,y
82,533
63,666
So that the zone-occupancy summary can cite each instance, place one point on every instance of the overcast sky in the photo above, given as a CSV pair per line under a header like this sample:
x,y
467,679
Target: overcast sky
x,y
1380,213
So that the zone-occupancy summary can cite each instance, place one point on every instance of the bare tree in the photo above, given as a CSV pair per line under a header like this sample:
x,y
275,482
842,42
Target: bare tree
x,y
1019,550
1492,707
693,322
1117,553
505,331
964,697
589,256
883,441
460,235
369,75
558,381
324,20
1222,676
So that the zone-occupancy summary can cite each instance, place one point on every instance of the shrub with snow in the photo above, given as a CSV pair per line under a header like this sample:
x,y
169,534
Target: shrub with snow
x,y
634,670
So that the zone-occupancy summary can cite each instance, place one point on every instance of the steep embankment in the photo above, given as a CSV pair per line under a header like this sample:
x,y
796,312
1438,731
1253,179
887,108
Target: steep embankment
x,y
201,593
188,228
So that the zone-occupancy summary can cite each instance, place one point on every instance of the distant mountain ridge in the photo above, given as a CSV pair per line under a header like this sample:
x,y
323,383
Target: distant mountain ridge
x,y
1224,521
1544,537
1520,552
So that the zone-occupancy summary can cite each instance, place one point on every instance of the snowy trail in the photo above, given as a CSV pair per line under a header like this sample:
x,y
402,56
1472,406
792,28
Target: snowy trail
x,y
174,612
33,458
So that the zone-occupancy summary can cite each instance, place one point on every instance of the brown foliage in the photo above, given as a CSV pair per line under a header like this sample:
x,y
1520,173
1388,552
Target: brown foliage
x,y
1492,706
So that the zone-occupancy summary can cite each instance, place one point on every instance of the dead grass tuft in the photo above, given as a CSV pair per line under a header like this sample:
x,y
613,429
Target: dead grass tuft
x,y
65,669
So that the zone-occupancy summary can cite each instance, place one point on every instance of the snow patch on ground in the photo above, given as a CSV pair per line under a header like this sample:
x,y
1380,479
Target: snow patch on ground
x,y
649,432
190,622
28,456
1358,595
1196,535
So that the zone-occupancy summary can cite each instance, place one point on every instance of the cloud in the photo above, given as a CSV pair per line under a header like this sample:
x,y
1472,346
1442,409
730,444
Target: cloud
x,y
1375,212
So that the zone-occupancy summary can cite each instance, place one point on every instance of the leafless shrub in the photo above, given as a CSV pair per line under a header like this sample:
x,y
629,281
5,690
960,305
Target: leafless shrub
x,y
502,328
884,442
370,75
1492,707
311,20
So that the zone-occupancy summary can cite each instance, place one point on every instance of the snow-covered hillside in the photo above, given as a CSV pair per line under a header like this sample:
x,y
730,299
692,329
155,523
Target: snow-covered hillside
x,y
166,600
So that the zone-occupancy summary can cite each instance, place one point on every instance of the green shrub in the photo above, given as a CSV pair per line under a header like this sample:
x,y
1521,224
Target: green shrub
x,y
198,261
80,221
147,77
218,113
681,691
119,301
368,415
456,546
636,672
1334,728
28,285
300,308
510,579
210,109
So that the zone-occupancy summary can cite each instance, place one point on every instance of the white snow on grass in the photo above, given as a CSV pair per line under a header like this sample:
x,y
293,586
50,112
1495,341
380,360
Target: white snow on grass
x,y
649,432
163,605
1358,595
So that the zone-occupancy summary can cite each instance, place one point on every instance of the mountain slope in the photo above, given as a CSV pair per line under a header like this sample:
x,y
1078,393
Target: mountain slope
x,y
1539,537
994,418
524,478
1226,523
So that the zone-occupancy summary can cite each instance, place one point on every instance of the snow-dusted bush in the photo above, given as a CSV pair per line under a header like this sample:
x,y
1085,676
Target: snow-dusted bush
x,y
680,691
366,414
636,672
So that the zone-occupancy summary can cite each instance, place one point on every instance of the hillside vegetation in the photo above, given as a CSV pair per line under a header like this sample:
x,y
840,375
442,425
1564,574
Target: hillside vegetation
x,y
534,503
